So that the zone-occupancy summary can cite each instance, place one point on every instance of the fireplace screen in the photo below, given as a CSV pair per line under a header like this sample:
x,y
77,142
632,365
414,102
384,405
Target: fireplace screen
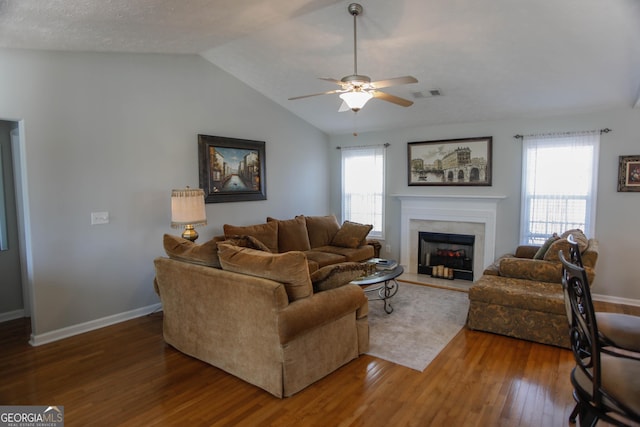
x,y
444,255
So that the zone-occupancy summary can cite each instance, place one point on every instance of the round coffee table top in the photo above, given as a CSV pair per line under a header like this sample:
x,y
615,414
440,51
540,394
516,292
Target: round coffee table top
x,y
379,276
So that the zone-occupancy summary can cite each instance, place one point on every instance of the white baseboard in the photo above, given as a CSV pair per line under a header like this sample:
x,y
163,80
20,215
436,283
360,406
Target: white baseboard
x,y
70,331
616,300
11,315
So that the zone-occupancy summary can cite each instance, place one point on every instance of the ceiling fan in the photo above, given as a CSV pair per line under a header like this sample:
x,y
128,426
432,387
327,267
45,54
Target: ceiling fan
x,y
356,89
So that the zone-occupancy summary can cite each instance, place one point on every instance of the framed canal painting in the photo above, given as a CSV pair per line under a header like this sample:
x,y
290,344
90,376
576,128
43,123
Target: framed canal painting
x,y
231,170
461,162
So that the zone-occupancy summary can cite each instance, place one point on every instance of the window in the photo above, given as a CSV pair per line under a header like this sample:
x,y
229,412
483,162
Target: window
x,y
363,187
559,185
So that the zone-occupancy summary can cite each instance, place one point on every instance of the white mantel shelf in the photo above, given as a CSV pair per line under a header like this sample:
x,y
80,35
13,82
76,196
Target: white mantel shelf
x,y
448,197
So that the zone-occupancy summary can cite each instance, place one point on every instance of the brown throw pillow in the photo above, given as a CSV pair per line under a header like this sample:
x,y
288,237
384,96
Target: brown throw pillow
x,y
289,268
185,250
321,229
266,233
336,275
351,235
292,234
579,237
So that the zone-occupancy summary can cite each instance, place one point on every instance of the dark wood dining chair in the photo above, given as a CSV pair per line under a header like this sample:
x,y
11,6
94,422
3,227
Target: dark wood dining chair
x,y
606,385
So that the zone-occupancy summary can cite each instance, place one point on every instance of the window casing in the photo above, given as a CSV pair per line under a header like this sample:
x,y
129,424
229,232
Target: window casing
x,y
559,185
363,190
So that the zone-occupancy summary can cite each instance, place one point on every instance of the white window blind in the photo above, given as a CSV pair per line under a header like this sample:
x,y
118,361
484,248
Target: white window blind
x,y
559,185
363,187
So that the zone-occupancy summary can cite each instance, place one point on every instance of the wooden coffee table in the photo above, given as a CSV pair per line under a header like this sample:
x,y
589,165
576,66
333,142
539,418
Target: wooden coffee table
x,y
383,283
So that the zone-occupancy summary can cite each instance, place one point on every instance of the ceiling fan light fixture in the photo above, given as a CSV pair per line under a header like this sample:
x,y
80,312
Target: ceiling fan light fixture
x,y
356,99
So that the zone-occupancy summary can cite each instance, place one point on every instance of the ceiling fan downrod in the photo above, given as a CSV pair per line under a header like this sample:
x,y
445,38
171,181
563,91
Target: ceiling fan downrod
x,y
355,9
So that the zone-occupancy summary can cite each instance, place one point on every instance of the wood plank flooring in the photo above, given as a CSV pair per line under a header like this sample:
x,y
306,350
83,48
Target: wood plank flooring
x,y
125,375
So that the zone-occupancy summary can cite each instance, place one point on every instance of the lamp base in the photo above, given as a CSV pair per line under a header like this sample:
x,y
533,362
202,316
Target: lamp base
x,y
190,233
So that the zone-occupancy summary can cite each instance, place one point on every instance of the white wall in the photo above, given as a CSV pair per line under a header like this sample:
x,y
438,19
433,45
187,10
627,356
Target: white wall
x,y
116,132
617,213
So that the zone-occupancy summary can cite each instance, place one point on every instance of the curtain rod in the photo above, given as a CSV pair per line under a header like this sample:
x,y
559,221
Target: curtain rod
x,y
605,130
385,145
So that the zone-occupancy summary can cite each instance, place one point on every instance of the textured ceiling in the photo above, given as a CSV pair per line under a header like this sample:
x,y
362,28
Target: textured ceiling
x,y
491,59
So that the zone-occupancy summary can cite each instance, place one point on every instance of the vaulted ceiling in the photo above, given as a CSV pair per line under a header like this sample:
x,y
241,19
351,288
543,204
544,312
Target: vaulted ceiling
x,y
490,59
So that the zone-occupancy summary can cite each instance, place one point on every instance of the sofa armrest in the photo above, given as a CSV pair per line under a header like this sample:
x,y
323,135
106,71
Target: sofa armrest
x,y
377,246
319,309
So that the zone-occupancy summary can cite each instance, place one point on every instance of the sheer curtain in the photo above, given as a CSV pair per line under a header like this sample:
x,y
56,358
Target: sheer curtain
x,y
559,184
363,186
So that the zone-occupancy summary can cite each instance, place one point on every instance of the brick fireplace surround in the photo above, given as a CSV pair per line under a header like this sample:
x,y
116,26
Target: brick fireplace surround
x,y
475,215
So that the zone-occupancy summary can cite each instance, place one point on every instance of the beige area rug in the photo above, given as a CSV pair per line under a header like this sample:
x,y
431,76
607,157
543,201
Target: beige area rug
x,y
423,321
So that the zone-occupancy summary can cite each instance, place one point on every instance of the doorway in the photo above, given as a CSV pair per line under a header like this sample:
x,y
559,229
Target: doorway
x,y
13,298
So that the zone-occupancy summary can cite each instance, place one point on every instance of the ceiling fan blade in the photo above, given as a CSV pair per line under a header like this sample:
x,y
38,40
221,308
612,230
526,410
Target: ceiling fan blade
x,y
393,82
329,79
316,94
391,98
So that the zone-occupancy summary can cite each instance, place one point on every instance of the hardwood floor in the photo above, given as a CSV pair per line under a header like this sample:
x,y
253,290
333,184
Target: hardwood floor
x,y
126,375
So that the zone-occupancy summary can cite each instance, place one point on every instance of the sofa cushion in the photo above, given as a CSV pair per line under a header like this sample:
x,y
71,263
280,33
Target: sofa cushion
x,y
520,293
351,234
531,269
292,234
324,258
321,229
266,233
545,247
336,275
361,253
185,250
288,268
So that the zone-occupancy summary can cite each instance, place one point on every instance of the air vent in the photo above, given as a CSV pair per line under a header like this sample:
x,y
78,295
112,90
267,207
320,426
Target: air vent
x,y
426,93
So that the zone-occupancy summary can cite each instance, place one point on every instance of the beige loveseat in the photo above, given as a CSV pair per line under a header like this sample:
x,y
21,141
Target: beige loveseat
x,y
520,295
259,315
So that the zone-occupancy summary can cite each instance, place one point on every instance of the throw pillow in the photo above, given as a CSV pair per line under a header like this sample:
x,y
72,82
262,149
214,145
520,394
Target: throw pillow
x,y
289,268
579,237
266,233
351,235
292,234
247,242
336,275
185,250
321,229
545,247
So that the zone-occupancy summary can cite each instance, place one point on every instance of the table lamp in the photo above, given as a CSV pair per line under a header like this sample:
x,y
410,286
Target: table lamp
x,y
187,211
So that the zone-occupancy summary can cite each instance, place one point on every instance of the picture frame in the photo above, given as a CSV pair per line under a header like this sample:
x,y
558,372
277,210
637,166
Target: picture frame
x,y
629,174
231,169
450,162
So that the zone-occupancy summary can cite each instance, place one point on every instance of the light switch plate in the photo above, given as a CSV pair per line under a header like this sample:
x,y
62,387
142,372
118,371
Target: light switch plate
x,y
99,218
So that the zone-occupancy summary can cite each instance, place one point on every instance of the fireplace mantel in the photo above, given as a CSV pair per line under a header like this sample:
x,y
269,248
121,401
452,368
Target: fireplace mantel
x,y
448,209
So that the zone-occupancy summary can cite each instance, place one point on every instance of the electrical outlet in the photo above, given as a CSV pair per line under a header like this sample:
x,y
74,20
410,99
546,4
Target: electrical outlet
x,y
387,248
99,218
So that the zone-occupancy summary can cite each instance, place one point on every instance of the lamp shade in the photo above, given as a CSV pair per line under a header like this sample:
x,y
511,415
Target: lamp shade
x,y
356,100
187,207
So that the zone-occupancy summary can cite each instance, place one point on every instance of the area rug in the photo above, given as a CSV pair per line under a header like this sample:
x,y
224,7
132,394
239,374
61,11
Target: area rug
x,y
423,321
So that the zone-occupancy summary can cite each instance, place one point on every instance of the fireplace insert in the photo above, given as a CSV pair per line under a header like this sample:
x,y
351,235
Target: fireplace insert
x,y
446,255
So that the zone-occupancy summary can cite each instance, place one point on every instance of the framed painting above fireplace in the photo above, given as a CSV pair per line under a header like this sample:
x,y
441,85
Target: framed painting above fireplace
x,y
456,162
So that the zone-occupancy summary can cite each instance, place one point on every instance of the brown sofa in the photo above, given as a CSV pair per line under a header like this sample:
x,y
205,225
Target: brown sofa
x,y
520,295
262,316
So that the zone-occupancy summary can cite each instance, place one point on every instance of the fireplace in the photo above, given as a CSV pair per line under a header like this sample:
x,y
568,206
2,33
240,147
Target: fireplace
x,y
471,215
446,255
